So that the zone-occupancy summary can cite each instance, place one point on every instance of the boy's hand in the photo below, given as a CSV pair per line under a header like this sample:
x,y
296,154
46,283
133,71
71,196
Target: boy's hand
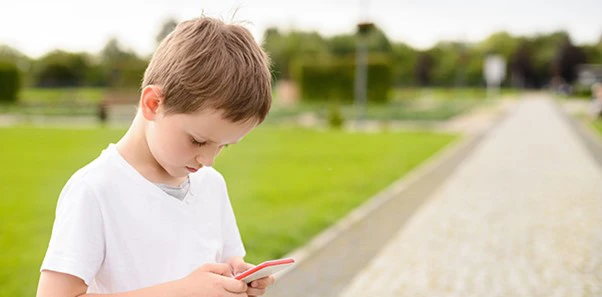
x,y
256,287
213,280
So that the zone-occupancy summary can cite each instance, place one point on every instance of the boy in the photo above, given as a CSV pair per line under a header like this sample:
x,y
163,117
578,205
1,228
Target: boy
x,y
150,217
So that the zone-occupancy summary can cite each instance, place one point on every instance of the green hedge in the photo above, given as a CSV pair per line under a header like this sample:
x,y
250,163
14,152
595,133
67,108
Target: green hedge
x,y
9,82
335,81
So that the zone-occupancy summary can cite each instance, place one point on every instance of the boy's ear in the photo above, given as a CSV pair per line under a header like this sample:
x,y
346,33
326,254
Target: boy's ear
x,y
150,101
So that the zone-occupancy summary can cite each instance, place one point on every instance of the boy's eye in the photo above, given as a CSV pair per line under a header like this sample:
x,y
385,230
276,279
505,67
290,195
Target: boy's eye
x,y
196,142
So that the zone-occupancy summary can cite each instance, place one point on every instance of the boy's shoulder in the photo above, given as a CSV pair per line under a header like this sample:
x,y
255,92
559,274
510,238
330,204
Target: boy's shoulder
x,y
104,168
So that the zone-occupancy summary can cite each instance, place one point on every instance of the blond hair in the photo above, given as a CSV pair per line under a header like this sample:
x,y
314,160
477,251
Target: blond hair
x,y
206,63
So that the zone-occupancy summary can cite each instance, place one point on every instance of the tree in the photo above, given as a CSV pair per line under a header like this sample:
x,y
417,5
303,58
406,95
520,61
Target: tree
x,y
424,68
9,81
404,63
62,69
521,67
23,63
500,43
377,41
123,68
280,53
284,49
546,48
567,59
593,53
449,59
168,26
342,45
11,54
473,74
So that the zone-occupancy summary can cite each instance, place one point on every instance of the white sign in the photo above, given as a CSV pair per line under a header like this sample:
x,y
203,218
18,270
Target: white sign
x,y
495,70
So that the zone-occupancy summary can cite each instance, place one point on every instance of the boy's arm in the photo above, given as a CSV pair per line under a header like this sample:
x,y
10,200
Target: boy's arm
x,y
208,280
54,283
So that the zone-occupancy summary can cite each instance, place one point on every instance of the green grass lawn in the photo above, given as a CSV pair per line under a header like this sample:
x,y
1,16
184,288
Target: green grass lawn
x,y
286,185
598,125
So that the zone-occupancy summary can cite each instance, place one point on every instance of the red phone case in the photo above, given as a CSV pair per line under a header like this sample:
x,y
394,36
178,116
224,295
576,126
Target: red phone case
x,y
264,265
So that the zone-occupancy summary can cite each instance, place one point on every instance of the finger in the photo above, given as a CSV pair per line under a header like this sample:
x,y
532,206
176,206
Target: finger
x,y
219,268
233,285
255,292
242,267
238,264
230,294
263,283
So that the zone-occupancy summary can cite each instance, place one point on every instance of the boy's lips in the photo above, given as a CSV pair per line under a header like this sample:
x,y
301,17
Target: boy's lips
x,y
193,170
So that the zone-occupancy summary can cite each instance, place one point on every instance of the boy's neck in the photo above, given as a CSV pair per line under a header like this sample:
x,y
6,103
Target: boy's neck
x,y
133,147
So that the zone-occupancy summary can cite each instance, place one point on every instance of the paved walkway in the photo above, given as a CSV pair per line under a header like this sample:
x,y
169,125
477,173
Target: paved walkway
x,y
521,216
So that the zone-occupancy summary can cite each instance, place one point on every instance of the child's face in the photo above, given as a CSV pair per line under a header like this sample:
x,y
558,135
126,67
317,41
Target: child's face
x,y
183,143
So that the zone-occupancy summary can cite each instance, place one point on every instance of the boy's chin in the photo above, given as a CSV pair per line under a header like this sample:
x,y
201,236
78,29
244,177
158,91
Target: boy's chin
x,y
178,173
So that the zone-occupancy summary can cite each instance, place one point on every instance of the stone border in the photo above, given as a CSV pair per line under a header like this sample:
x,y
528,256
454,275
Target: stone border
x,y
590,138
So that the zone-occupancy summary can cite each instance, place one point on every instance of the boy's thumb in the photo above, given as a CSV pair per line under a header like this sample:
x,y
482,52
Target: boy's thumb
x,y
219,268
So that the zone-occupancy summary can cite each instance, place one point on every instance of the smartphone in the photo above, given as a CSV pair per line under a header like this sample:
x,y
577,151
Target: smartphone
x,y
264,269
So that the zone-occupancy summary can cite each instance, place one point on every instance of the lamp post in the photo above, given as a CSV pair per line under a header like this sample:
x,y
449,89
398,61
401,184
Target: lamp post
x,y
361,70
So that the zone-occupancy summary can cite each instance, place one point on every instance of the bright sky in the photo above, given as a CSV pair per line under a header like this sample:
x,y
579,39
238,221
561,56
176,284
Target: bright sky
x,y
36,27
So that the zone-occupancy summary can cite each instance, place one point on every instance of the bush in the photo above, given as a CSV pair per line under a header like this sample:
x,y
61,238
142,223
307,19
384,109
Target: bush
x,y
335,81
9,82
335,116
58,75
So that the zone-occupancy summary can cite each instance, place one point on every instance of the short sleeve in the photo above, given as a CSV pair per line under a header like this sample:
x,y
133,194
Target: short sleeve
x,y
232,245
77,244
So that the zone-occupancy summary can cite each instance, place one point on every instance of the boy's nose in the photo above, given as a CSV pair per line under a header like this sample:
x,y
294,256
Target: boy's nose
x,y
204,161
207,156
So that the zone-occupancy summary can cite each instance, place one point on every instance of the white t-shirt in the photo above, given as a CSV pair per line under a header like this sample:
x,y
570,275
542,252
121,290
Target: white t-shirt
x,y
119,232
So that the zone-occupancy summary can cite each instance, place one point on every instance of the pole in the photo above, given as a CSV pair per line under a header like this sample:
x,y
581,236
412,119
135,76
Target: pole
x,y
361,77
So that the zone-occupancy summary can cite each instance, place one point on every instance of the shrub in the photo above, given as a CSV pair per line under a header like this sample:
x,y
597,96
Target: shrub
x,y
9,82
335,81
